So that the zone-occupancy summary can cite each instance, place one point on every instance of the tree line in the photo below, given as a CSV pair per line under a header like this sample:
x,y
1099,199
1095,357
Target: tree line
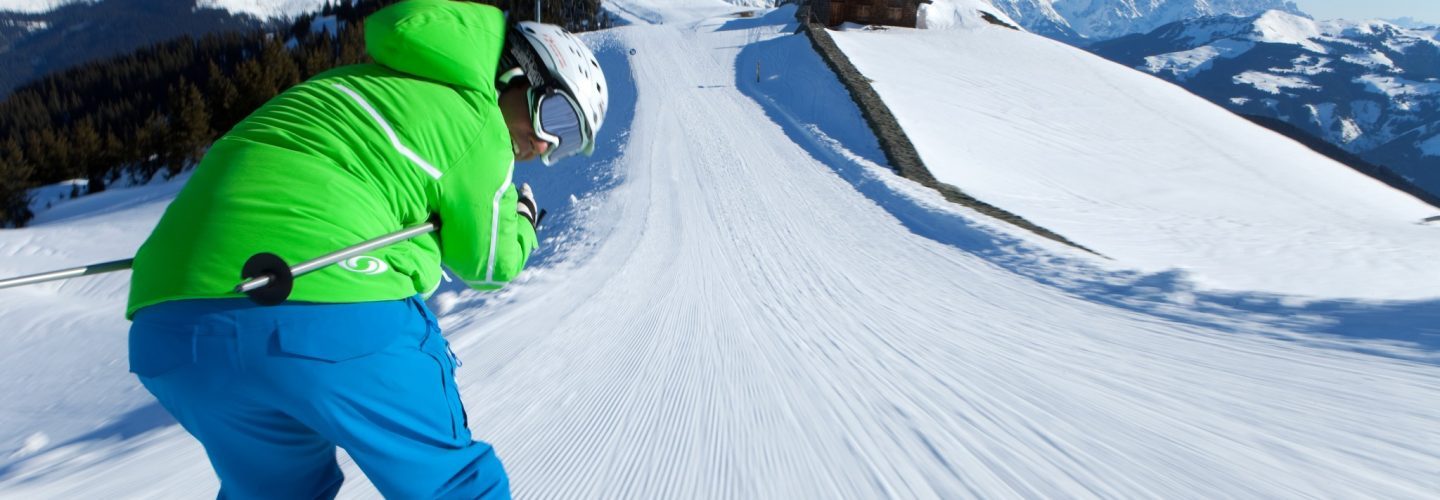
x,y
156,110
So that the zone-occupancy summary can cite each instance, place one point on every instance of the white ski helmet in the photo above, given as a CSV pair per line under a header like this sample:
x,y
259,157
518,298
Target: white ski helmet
x,y
557,63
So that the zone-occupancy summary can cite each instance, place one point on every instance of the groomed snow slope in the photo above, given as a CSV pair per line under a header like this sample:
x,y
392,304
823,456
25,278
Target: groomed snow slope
x,y
734,305
1142,171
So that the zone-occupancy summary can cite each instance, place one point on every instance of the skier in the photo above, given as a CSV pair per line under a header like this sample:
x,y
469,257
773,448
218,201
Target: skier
x,y
355,359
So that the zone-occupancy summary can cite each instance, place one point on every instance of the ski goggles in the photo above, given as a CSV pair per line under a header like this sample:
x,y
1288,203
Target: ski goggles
x,y
557,122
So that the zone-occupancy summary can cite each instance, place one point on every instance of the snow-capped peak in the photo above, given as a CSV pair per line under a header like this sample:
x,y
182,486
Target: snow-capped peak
x,y
1106,19
949,14
1283,27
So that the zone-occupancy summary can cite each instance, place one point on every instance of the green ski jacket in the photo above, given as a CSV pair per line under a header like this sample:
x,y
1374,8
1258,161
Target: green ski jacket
x,y
352,154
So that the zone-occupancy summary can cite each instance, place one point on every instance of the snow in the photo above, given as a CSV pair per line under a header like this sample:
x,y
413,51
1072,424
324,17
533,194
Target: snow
x,y
1397,38
1271,83
1283,27
1307,65
1107,19
1394,87
1204,31
1373,59
37,6
1365,112
1350,130
27,26
737,299
1411,23
956,14
1322,115
1186,64
1132,167
1431,146
674,11
265,9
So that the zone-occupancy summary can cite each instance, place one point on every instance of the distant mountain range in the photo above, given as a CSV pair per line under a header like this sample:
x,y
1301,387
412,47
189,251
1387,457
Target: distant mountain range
x,y
1371,88
34,44
1367,87
40,36
1081,21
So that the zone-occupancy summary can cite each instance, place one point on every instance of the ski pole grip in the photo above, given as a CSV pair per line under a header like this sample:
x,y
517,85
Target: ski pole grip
x,y
268,280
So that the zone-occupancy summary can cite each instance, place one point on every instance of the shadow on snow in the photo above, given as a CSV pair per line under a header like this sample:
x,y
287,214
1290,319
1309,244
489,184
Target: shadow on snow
x,y
133,423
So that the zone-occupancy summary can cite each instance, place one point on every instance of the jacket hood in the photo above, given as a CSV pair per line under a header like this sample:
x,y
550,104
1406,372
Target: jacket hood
x,y
452,42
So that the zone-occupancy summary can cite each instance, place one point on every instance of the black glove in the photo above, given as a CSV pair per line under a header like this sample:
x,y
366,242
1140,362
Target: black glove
x,y
527,207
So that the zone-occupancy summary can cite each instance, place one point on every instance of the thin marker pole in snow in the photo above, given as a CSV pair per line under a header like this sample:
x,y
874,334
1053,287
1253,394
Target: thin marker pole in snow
x,y
74,272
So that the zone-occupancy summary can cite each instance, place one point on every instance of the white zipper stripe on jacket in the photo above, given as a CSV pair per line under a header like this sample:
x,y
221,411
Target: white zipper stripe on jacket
x,y
394,140
495,223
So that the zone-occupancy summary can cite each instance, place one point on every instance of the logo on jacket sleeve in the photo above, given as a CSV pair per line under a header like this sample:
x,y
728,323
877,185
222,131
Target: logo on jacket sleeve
x,y
364,264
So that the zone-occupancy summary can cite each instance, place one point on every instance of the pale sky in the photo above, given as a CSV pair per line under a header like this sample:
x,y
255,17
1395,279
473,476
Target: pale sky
x,y
1424,10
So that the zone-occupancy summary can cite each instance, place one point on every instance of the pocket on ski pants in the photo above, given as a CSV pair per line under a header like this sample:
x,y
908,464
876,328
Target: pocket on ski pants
x,y
341,332
160,345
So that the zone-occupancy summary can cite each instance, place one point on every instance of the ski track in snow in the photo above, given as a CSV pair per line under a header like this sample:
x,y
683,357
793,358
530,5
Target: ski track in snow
x,y
738,321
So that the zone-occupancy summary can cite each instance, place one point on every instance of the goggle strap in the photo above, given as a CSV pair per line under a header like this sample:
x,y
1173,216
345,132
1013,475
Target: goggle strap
x,y
507,76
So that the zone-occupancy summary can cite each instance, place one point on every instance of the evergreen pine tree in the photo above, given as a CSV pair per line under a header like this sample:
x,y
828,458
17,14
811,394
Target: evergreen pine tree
x,y
189,131
223,98
85,153
279,66
15,174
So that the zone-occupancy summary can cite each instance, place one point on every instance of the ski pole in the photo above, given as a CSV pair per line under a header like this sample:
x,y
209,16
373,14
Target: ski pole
x,y
269,280
101,268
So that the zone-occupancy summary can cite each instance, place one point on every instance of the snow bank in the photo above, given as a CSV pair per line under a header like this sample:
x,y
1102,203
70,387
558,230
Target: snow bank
x,y
1143,171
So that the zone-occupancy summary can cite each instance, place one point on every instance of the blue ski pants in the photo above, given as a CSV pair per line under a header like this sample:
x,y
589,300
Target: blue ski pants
x,y
271,391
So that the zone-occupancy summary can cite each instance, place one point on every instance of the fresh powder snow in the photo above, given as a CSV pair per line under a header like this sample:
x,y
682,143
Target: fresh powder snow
x,y
737,298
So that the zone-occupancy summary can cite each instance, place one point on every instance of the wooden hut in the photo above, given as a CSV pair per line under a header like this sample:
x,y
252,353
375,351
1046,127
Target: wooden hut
x,y
886,12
